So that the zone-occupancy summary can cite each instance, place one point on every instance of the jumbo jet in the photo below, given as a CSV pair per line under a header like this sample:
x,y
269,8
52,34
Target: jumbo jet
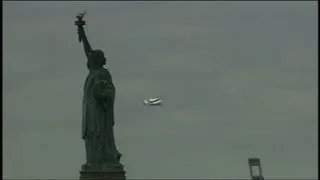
x,y
153,102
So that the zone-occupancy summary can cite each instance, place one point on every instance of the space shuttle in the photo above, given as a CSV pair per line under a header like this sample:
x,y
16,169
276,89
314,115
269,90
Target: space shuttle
x,y
153,102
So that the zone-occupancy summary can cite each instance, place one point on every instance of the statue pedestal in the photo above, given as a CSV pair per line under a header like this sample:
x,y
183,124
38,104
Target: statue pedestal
x,y
99,175
103,174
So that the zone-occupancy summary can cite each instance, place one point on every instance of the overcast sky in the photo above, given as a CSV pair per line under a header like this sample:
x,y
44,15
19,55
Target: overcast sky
x,y
238,80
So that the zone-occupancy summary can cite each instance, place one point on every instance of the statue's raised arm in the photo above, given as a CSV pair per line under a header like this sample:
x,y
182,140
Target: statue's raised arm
x,y
82,35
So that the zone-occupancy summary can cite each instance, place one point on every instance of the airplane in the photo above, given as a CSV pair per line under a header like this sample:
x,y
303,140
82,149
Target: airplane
x,y
153,102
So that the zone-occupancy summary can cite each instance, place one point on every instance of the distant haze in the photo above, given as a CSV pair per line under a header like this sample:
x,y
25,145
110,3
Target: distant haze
x,y
237,80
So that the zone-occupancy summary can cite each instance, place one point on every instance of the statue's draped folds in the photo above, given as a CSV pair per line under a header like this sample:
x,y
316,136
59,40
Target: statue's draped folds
x,y
98,118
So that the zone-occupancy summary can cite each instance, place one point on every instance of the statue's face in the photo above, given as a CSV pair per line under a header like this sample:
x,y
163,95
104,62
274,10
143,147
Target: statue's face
x,y
104,60
98,58
100,61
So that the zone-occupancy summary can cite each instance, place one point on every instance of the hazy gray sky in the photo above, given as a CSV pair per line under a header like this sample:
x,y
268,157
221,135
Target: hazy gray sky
x,y
238,80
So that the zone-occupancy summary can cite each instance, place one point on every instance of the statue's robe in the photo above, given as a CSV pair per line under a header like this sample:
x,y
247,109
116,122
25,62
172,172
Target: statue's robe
x,y
98,119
